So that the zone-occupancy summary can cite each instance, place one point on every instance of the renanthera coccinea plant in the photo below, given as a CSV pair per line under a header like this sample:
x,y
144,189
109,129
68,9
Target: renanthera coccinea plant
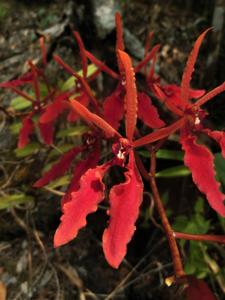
x,y
112,122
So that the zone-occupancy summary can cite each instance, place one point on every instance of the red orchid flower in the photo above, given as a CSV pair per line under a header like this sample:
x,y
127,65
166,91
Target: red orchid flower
x,y
28,126
197,157
113,108
124,198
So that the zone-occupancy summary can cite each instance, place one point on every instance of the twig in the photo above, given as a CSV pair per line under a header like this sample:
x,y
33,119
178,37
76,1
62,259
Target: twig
x,y
200,237
177,263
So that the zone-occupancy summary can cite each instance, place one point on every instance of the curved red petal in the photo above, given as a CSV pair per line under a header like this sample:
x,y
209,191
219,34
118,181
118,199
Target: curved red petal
x,y
158,134
25,132
90,117
80,168
58,169
198,289
218,136
84,100
219,89
54,109
186,78
201,163
152,54
147,112
119,32
83,202
125,200
26,78
46,131
130,100
113,109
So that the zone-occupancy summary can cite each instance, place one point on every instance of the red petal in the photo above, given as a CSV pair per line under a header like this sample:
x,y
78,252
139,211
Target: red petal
x,y
43,50
25,132
147,58
125,200
113,109
54,109
159,134
147,112
83,202
218,136
17,82
84,100
119,32
58,169
82,52
173,93
198,289
185,84
201,163
90,117
219,89
103,67
131,94
80,168
46,131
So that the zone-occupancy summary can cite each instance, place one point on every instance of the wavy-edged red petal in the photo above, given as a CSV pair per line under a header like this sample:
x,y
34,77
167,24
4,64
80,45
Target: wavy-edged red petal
x,y
113,109
80,168
198,289
58,169
83,202
25,132
46,131
92,118
125,200
201,163
147,112
186,78
130,101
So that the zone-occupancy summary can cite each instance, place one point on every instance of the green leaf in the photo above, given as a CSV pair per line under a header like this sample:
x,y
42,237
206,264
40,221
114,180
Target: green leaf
x,y
177,171
62,181
220,167
72,131
15,127
70,82
20,103
28,150
165,154
12,200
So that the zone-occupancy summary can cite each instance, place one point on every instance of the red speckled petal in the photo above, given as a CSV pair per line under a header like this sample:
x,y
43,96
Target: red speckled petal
x,y
147,112
201,163
83,202
58,169
125,200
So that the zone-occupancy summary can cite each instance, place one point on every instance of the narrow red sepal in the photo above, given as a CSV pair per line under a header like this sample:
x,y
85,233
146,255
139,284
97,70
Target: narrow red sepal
x,y
25,132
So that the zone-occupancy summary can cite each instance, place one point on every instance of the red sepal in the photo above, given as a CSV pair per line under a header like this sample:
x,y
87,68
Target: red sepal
x,y
92,118
125,200
130,100
84,100
46,131
83,202
25,132
186,78
113,109
58,169
201,163
198,289
218,136
147,112
26,78
54,109
82,53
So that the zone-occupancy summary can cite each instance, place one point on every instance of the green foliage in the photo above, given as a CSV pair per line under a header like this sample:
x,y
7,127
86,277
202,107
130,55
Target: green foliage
x,y
14,200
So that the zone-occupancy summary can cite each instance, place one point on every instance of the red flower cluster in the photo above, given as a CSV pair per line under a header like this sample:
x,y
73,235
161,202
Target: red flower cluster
x,y
127,103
